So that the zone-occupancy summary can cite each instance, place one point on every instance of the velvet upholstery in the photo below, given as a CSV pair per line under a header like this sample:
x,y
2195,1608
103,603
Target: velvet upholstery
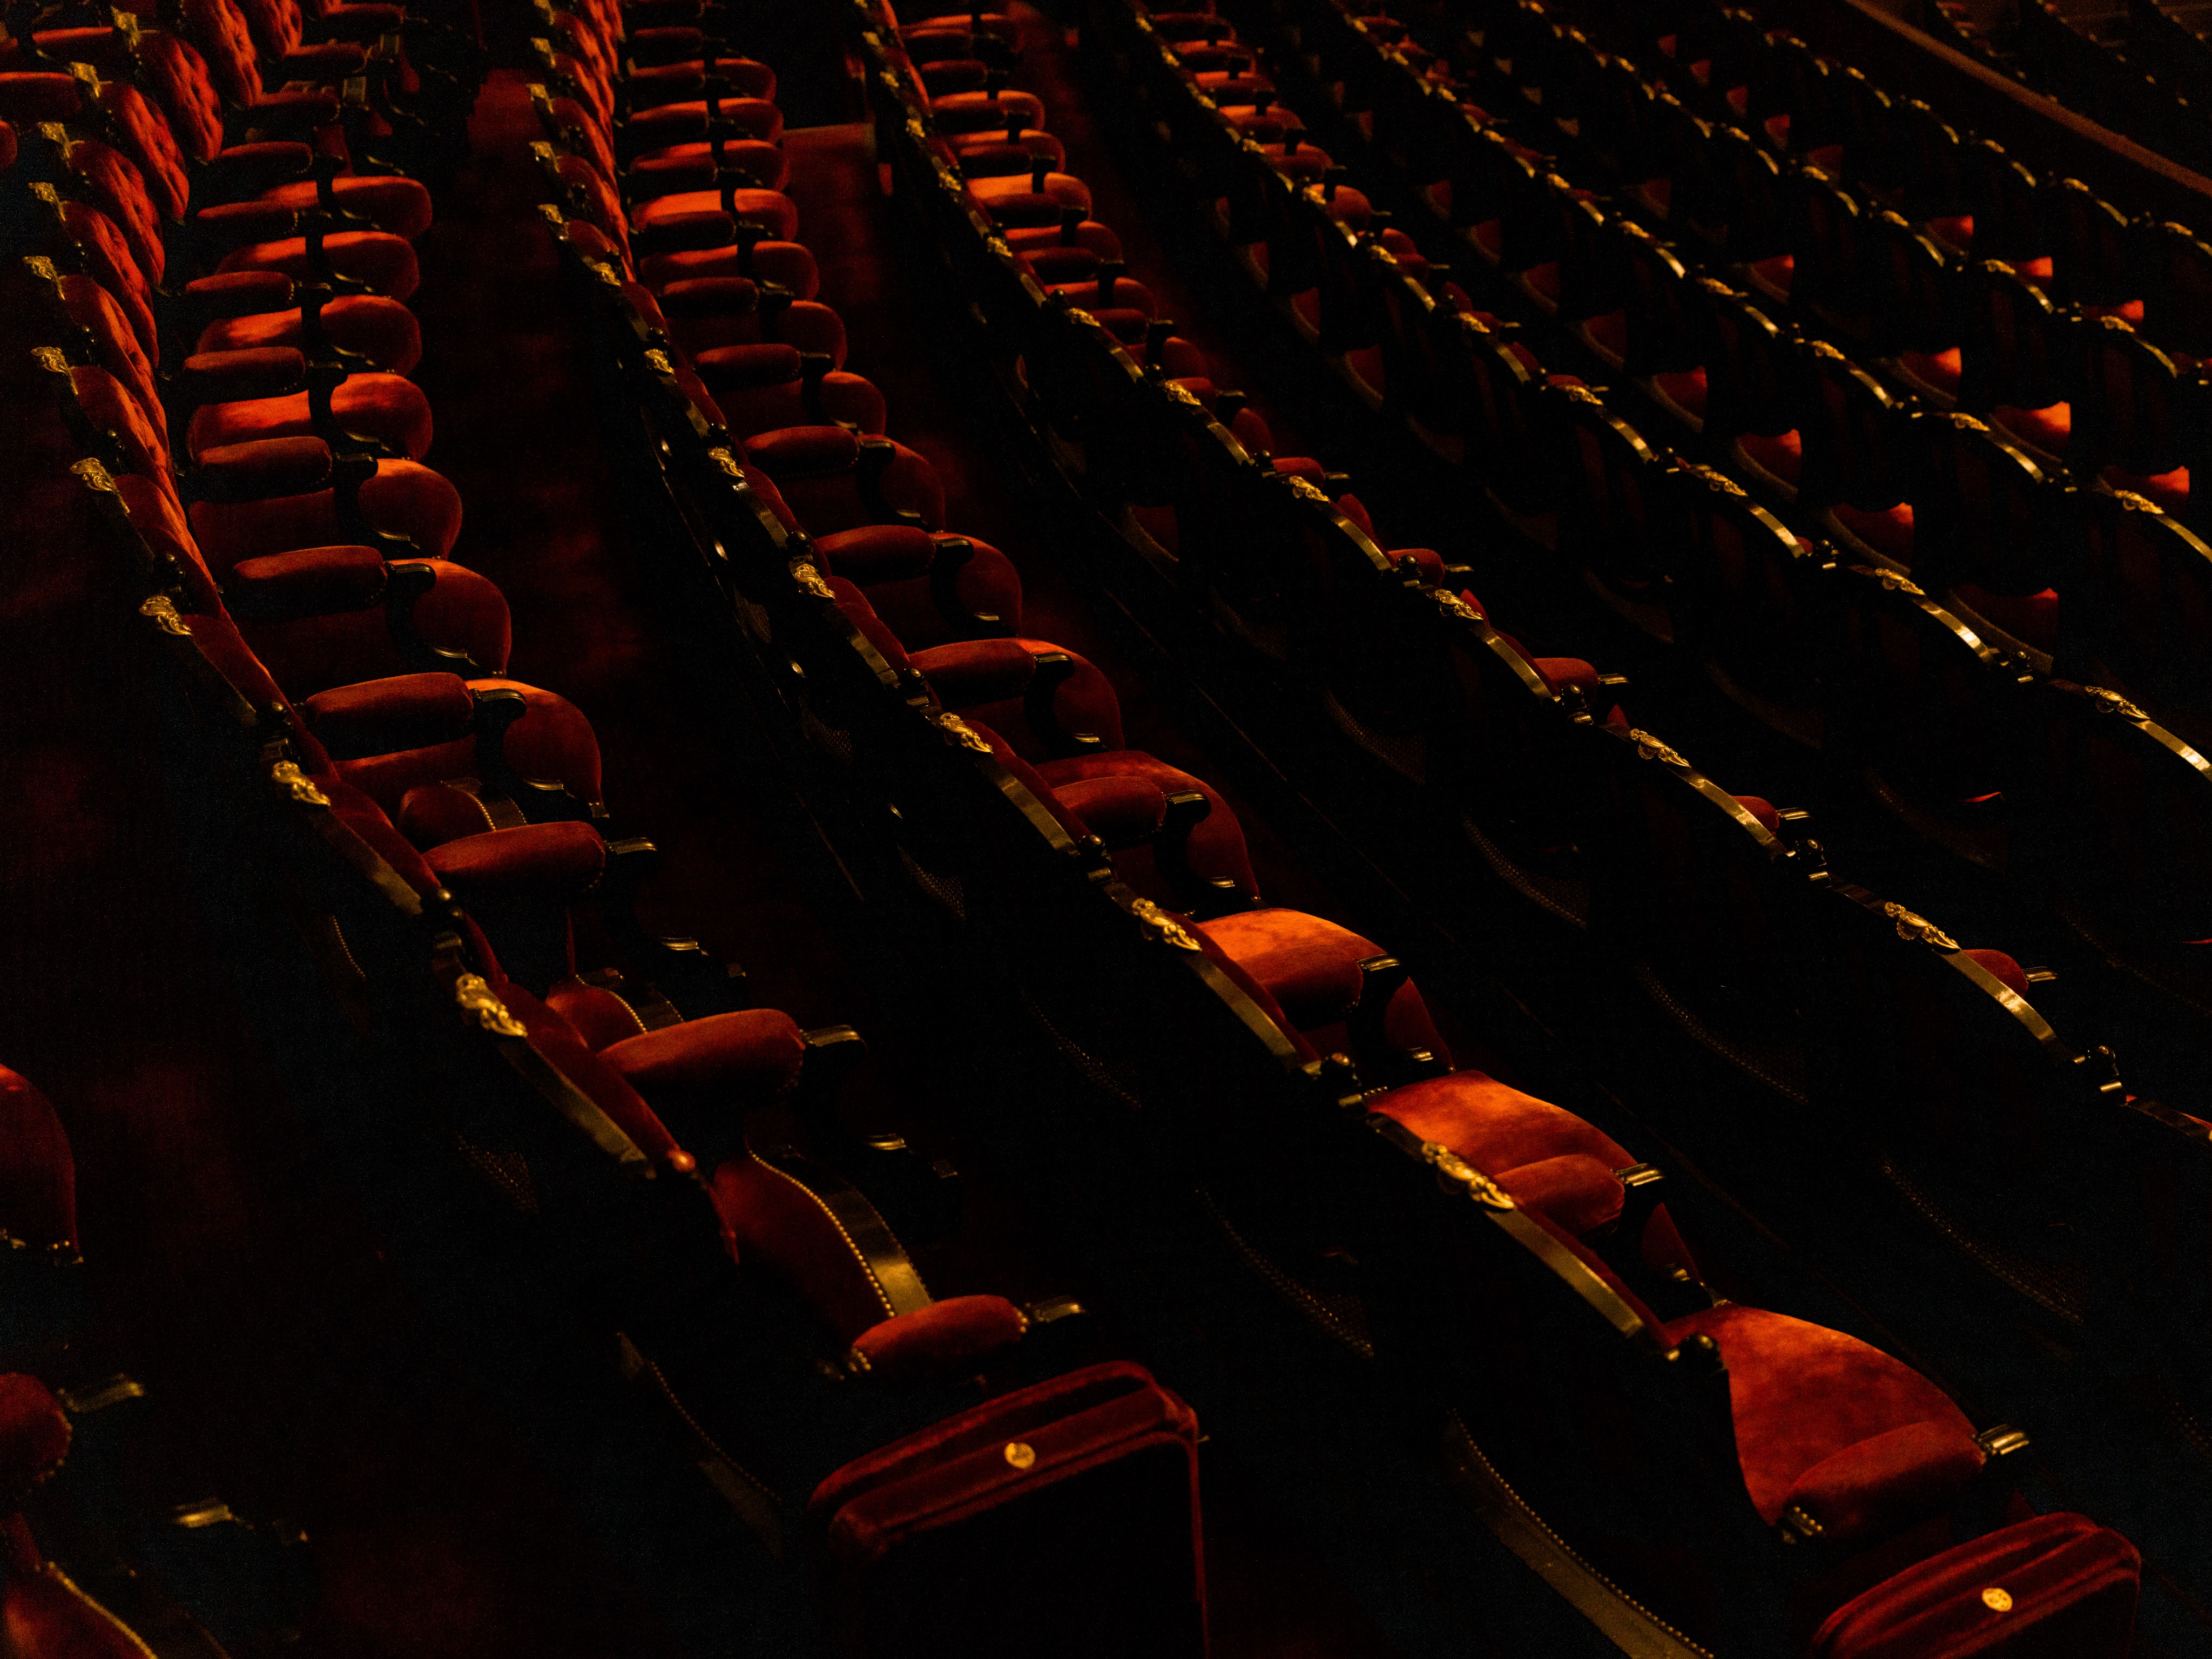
x,y
1829,1425
1076,1499
34,1437
954,1335
557,861
1311,967
384,262
991,679
2070,1589
897,566
38,1176
385,407
381,330
552,741
1216,850
403,498
773,1221
44,1616
743,1058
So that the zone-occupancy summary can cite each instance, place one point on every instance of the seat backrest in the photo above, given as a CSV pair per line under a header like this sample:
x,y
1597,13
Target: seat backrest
x,y
2132,409
1747,602
1854,434
2092,247
2009,338
1984,513
2142,589
2177,311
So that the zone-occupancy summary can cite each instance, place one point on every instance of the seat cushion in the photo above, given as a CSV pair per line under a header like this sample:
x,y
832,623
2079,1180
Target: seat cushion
x,y
381,330
1216,850
388,408
1310,966
400,206
745,1058
1859,1444
386,263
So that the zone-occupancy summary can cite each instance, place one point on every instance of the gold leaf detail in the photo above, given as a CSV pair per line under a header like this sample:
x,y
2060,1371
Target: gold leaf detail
x,y
658,360
1159,925
50,358
1306,491
1077,315
728,463
1181,394
287,776
2114,703
1997,1600
1457,606
163,610
1650,748
961,732
1911,925
812,581
94,475
1893,581
474,993
1450,1166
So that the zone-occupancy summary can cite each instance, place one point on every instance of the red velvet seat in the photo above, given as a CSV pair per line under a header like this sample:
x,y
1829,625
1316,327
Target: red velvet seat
x,y
1310,966
45,1615
387,407
2055,1584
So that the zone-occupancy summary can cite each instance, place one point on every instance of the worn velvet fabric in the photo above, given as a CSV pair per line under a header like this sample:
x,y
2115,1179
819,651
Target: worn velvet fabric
x,y
1311,967
2070,1589
1859,1442
1075,1500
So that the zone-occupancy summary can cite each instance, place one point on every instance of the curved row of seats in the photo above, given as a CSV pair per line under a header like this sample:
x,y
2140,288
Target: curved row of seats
x,y
1111,315
207,401
1809,641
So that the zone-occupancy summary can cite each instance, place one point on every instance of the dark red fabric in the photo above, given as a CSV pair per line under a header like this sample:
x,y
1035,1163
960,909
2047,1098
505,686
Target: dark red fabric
x,y
951,1335
1801,1394
748,1057
1070,1423
1310,966
560,860
2069,1585
35,1435
38,1176
2003,969
772,1222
